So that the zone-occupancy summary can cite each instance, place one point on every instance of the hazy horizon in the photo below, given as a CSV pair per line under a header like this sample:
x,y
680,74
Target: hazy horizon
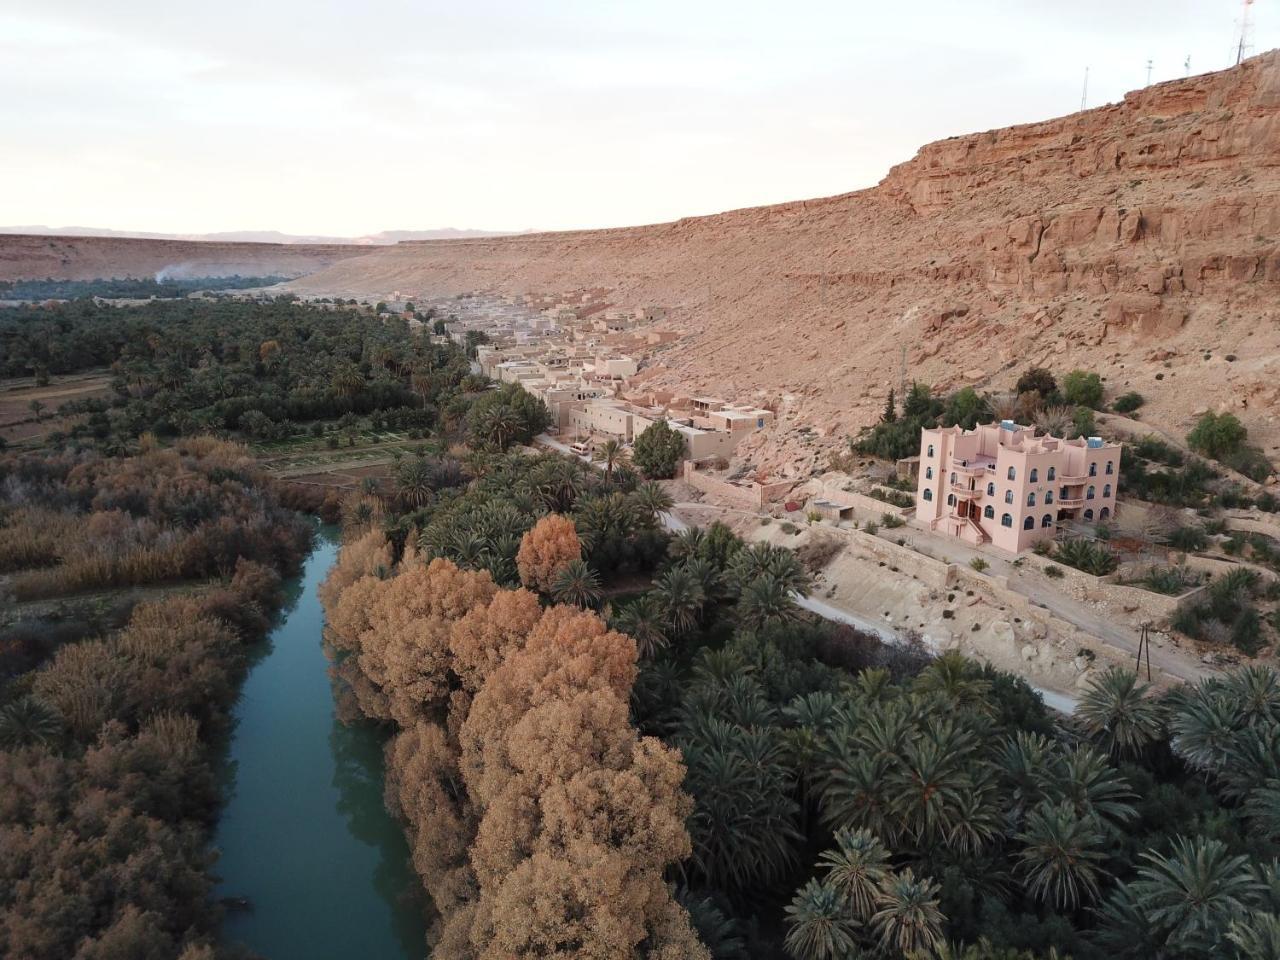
x,y
314,121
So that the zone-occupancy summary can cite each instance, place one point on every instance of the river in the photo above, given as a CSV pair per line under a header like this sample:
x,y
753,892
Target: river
x,y
304,836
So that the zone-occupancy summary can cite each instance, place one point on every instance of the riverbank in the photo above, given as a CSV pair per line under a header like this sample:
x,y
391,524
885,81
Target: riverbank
x,y
305,838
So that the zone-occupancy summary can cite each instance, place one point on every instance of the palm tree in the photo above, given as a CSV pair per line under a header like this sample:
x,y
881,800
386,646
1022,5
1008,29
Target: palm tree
x,y
958,679
681,597
1056,421
28,720
1125,930
1005,406
413,481
1117,712
1263,809
854,791
1193,896
576,583
611,453
1256,691
753,562
928,784
856,868
1025,764
642,620
719,933
1095,788
766,600
498,424
743,826
1061,855
558,482
820,927
1204,726
1256,937
908,920
347,380
652,499
708,576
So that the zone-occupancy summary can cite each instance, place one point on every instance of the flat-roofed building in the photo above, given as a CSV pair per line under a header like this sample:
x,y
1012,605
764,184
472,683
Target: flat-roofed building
x,y
1000,483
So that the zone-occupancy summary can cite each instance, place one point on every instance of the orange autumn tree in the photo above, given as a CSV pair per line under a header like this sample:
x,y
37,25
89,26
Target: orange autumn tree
x,y
545,550
540,821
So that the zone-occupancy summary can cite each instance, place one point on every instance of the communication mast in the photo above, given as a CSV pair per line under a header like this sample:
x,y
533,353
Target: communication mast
x,y
1149,72
1246,27
1084,93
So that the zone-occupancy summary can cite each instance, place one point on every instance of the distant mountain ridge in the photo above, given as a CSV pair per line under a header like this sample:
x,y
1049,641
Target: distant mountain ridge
x,y
381,238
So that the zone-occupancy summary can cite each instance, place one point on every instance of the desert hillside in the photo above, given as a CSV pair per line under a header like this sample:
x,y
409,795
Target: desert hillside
x,y
1138,239
34,257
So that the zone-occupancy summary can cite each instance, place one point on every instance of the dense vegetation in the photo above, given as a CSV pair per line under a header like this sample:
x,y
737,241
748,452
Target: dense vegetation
x,y
839,798
127,287
1064,410
261,370
111,712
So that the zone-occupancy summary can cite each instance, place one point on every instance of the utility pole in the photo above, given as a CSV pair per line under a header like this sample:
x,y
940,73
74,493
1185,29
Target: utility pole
x,y
1084,94
1243,46
1148,72
1144,644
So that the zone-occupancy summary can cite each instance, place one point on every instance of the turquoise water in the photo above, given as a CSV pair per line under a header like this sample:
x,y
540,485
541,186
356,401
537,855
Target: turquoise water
x,y
304,836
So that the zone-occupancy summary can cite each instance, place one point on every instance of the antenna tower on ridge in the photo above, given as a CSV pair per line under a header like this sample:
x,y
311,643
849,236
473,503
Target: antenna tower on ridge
x,y
1148,72
1243,46
1084,93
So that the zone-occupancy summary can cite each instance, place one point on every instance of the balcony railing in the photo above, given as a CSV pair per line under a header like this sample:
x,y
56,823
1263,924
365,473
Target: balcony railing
x,y
1069,502
968,492
969,470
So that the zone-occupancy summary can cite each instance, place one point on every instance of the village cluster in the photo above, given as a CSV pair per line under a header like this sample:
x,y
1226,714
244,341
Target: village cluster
x,y
584,361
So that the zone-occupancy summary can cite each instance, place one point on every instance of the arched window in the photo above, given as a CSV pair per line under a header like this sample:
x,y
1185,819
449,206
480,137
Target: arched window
x,y
928,473
989,512
1035,475
1008,496
930,453
1104,513
1047,520
1052,474
1029,523
1048,497
991,489
1088,514
1090,493
1106,489
1093,469
1110,468
1006,520
928,494
1012,473
951,499
953,478
1031,499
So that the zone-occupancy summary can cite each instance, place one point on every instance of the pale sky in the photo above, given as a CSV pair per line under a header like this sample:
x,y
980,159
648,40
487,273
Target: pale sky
x,y
345,117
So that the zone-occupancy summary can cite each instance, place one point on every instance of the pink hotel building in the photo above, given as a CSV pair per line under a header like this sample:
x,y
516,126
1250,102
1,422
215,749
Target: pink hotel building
x,y
1001,484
